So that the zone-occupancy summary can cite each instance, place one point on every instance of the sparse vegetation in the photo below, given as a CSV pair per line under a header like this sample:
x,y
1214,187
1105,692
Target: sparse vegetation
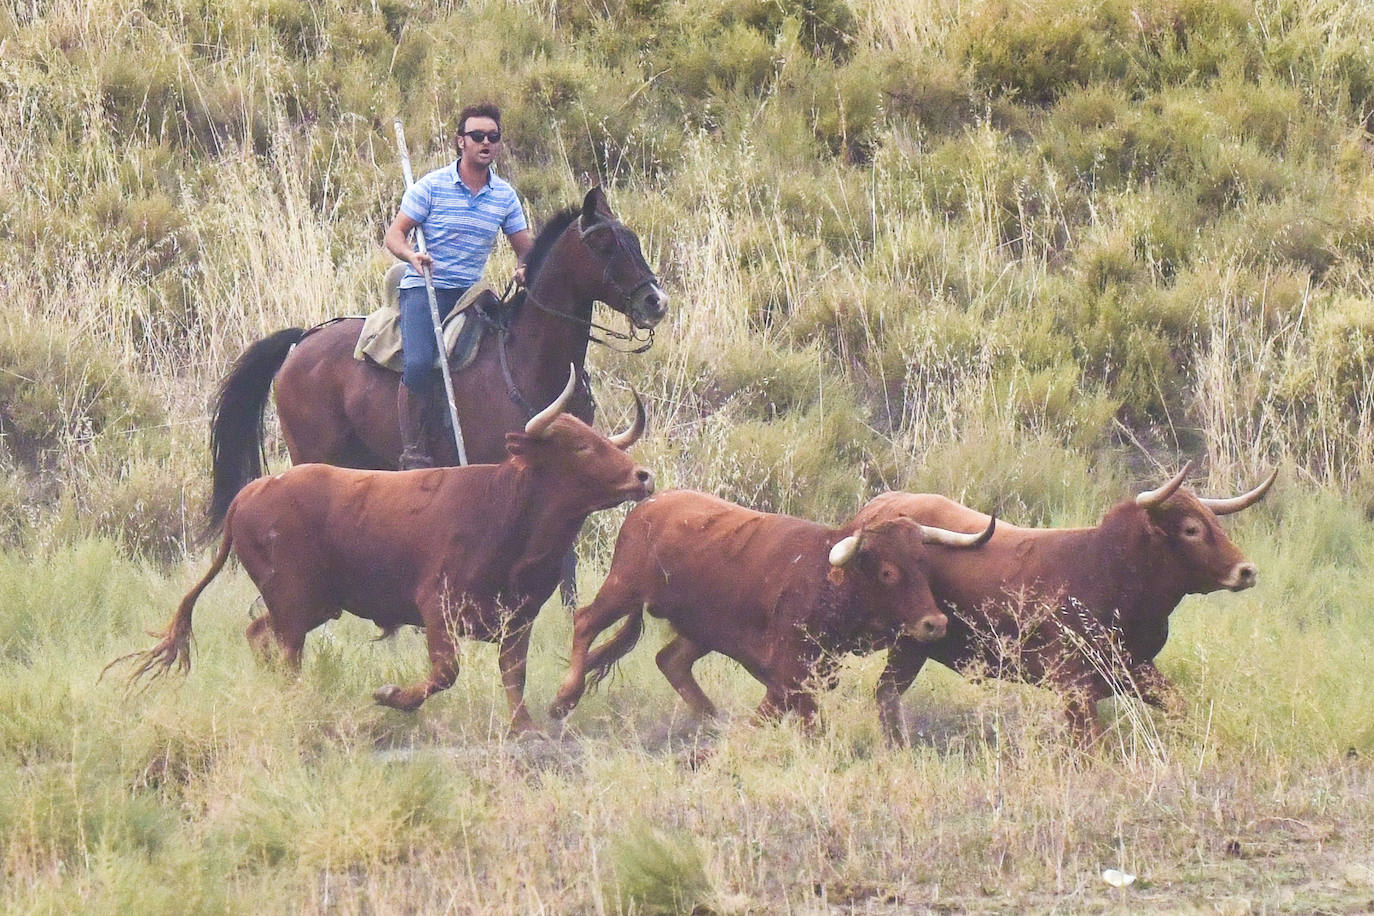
x,y
1028,255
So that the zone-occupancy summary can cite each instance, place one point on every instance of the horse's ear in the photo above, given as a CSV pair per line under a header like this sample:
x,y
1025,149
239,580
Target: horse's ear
x,y
594,208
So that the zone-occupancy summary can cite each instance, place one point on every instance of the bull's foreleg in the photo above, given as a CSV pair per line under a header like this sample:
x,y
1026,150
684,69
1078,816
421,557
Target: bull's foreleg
x,y
903,664
1154,688
1081,711
567,581
512,655
780,700
443,671
675,660
1080,707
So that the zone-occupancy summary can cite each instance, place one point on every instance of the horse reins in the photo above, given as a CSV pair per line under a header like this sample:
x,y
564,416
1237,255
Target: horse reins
x,y
633,336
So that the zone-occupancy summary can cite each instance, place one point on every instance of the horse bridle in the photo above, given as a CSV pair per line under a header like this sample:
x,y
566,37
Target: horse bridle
x,y
626,295
633,336
618,230
503,327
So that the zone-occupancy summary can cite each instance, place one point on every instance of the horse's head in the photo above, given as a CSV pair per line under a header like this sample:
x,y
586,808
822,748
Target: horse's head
x,y
627,283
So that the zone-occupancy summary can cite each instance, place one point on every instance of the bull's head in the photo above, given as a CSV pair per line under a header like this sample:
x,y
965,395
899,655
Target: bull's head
x,y
592,470
889,558
621,276
1196,541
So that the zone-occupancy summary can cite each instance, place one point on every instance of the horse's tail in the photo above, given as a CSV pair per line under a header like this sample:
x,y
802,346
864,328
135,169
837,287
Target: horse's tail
x,y
174,648
602,659
236,431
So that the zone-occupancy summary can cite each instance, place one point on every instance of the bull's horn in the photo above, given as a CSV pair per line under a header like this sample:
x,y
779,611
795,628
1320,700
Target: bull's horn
x,y
630,436
539,423
1151,498
844,551
932,535
1244,501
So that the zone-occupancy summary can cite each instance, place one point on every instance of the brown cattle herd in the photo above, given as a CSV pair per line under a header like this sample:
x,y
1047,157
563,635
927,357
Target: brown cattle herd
x,y
476,551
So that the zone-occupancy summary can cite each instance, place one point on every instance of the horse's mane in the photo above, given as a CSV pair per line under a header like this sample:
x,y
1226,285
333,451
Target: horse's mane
x,y
545,239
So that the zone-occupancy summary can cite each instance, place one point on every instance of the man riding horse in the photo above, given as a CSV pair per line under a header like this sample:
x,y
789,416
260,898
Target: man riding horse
x,y
460,208
336,408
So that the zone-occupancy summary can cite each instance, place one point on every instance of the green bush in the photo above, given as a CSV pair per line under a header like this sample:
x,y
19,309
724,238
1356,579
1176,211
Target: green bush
x,y
658,871
1018,476
1037,52
62,394
1334,377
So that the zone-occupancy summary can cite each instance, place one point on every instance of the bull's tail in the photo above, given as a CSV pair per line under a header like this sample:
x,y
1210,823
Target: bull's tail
x,y
236,431
601,660
175,646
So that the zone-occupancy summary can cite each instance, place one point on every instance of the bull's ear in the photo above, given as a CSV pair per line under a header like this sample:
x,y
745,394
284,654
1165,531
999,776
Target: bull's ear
x,y
517,444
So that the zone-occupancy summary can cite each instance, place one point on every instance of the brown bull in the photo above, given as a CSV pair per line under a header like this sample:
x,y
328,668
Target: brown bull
x,y
461,551
781,595
1081,610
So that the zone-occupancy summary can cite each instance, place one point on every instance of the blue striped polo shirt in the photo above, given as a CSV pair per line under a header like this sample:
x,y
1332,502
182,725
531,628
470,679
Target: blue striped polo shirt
x,y
460,226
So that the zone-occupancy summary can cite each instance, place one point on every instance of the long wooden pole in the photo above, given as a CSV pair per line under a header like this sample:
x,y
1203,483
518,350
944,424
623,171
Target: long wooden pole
x,y
433,306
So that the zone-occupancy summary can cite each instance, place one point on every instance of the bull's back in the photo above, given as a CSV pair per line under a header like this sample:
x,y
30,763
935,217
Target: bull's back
x,y
1014,560
685,548
341,516
929,509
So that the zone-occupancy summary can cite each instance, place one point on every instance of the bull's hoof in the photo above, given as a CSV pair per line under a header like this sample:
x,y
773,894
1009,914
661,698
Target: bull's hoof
x,y
394,696
523,727
559,710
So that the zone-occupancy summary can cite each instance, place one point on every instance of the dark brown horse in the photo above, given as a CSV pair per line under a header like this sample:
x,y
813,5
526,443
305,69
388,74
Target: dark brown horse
x,y
338,410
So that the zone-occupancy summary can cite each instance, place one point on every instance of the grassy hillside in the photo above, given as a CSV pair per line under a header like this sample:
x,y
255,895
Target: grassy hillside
x,y
1031,255
913,237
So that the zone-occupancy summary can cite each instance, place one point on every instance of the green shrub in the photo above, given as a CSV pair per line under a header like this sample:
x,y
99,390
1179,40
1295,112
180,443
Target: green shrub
x,y
1021,477
62,393
144,506
1037,52
658,871
929,92
1334,376
333,814
765,384
1056,403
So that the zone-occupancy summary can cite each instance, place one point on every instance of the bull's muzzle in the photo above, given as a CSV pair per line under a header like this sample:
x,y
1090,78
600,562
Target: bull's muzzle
x,y
1243,576
930,628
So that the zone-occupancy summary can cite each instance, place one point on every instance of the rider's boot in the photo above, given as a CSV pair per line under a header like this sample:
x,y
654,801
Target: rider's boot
x,y
413,410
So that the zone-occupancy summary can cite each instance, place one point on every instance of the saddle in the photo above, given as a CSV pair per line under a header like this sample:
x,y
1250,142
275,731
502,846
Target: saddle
x,y
380,339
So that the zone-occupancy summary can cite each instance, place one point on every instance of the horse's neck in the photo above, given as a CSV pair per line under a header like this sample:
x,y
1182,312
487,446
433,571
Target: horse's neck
x,y
544,341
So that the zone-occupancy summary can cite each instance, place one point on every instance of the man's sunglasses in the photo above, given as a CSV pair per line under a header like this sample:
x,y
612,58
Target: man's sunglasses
x,y
482,136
